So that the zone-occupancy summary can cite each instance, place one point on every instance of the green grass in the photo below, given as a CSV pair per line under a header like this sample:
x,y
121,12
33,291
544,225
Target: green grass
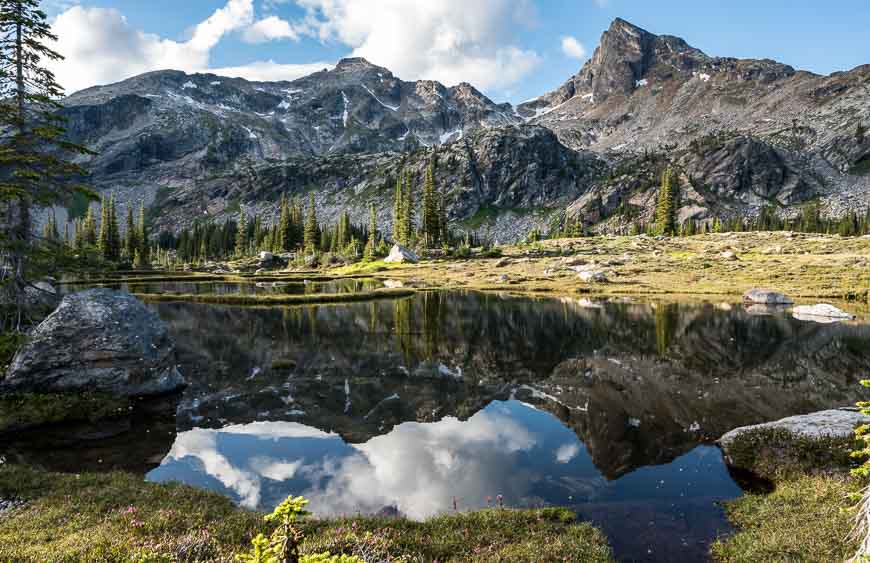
x,y
314,298
19,411
804,519
365,268
118,517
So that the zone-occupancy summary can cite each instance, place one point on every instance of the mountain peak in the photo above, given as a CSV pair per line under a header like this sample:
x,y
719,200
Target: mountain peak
x,y
626,54
352,63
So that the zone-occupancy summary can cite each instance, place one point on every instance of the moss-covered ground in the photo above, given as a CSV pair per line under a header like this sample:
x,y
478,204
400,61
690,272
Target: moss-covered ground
x,y
119,517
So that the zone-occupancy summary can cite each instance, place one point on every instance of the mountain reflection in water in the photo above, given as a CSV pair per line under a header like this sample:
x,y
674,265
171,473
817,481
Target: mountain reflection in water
x,y
418,469
609,408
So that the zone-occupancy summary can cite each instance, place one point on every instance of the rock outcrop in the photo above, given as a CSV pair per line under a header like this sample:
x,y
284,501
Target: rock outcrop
x,y
766,297
819,442
400,254
99,340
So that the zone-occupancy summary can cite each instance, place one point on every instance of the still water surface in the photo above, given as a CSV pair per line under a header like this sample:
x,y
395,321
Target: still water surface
x,y
418,405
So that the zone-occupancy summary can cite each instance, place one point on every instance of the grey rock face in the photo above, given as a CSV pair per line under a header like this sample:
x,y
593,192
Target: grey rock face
x,y
99,339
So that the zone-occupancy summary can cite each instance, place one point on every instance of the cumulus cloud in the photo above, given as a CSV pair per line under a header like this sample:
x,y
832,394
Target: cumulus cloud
x,y
270,29
567,452
573,48
100,46
450,41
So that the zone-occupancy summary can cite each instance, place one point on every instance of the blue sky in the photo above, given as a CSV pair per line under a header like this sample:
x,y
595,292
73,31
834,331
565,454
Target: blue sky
x,y
511,49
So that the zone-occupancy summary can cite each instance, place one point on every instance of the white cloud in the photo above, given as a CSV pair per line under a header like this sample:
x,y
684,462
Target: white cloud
x,y
100,46
270,29
450,41
573,48
567,452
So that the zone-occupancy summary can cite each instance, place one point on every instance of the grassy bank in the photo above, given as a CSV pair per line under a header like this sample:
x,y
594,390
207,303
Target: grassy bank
x,y
117,516
809,513
804,519
804,266
314,298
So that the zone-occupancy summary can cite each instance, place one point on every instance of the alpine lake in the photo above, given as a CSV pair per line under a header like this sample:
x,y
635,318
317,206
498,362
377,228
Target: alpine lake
x,y
454,400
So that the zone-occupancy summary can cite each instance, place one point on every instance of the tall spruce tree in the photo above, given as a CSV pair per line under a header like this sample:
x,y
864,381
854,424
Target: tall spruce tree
x,y
311,237
36,166
666,217
131,240
430,220
142,238
408,210
241,246
372,244
398,208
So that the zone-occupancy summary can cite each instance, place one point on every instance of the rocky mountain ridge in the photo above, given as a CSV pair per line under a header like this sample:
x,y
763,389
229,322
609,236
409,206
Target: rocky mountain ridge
x,y
742,134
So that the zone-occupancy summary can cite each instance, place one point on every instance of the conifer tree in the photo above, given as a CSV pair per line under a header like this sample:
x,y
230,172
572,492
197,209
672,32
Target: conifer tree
x,y
131,242
89,228
49,230
241,247
103,242
285,225
398,208
430,220
666,221
142,238
36,165
408,212
114,231
372,244
311,230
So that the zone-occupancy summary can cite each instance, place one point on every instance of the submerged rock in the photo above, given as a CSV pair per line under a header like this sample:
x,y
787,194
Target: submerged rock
x,y
821,313
400,254
766,296
101,340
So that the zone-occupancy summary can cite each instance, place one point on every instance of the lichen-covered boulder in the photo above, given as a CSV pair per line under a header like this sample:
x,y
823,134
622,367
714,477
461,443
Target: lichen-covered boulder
x,y
100,340
818,442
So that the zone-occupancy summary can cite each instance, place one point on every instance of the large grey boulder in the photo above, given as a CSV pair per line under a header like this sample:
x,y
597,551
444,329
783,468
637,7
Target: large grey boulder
x,y
99,339
834,423
767,297
400,254
818,442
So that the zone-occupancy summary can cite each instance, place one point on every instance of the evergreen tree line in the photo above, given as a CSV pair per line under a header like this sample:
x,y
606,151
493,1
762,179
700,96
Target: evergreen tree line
x,y
104,237
296,229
